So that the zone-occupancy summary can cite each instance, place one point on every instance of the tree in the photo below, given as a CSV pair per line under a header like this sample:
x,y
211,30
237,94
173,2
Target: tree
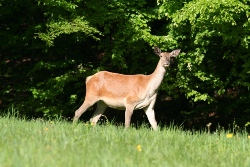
x,y
49,47
215,36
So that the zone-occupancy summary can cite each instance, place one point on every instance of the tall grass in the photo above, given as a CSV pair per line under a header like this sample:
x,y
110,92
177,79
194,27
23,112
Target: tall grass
x,y
60,143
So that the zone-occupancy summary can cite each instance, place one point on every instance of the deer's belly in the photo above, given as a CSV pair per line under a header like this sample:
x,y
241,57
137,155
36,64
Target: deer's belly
x,y
120,104
114,103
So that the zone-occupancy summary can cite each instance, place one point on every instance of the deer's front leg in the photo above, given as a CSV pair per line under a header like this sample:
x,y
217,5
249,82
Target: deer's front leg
x,y
151,114
128,115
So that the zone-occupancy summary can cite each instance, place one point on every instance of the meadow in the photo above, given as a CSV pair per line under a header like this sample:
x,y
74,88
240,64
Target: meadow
x,y
45,143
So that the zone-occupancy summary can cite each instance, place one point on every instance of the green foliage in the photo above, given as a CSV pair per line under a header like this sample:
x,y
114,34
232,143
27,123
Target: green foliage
x,y
56,28
49,47
215,35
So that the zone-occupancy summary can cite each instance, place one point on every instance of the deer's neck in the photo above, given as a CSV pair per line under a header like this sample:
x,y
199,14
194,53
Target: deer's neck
x,y
157,77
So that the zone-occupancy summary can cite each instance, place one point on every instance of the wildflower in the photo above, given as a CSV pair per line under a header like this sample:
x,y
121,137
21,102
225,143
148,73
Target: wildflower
x,y
138,147
46,129
51,122
92,123
48,147
230,135
248,136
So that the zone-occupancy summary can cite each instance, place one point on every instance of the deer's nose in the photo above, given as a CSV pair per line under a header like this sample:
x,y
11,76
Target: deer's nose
x,y
166,64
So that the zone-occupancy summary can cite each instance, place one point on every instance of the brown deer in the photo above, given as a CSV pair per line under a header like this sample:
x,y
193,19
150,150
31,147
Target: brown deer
x,y
129,92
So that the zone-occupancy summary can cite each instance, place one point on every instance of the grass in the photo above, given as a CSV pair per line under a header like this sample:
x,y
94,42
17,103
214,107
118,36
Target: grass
x,y
45,143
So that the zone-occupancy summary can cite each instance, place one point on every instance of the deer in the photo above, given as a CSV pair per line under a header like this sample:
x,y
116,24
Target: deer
x,y
125,92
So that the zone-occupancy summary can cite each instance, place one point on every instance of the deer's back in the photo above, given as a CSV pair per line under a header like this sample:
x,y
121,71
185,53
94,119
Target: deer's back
x,y
110,86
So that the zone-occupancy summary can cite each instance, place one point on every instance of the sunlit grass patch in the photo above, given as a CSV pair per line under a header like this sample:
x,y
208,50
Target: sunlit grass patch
x,y
41,142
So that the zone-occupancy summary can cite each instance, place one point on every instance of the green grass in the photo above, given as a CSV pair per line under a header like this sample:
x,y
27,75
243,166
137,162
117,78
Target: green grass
x,y
57,143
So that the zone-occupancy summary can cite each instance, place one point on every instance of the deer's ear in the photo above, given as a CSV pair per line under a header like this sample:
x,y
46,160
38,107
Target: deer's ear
x,y
175,53
157,50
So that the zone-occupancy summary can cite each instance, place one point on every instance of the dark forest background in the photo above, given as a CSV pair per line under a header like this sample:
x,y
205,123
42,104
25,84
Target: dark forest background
x,y
49,47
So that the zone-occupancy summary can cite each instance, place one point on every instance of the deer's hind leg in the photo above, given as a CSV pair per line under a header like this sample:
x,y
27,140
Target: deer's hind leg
x,y
101,107
88,102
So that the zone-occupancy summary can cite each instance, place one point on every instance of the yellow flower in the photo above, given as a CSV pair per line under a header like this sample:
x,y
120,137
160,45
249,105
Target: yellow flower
x,y
248,136
230,135
46,128
92,123
48,147
138,147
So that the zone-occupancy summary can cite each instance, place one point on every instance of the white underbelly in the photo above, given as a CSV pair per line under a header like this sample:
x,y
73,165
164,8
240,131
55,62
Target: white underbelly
x,y
114,103
120,104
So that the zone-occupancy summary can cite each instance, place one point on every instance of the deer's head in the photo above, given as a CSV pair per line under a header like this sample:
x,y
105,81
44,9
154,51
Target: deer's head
x,y
165,57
